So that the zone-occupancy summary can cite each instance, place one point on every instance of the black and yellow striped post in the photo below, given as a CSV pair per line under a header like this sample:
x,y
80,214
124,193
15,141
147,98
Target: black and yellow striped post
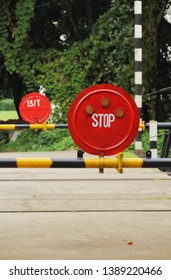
x,y
117,163
138,64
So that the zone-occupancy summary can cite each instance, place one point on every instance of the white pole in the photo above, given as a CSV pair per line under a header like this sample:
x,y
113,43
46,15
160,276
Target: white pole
x,y
153,138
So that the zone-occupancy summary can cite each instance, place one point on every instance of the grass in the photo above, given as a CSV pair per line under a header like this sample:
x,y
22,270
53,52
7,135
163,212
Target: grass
x,y
8,115
128,154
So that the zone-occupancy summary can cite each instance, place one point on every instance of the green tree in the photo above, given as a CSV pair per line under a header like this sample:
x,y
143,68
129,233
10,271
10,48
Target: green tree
x,y
92,49
30,38
156,61
14,27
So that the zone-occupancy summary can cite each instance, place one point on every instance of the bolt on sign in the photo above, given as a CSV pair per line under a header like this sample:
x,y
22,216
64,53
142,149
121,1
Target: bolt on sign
x,y
35,108
103,119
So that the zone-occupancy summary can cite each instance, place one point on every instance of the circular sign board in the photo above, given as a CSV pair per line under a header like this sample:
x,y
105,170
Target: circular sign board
x,y
35,108
103,120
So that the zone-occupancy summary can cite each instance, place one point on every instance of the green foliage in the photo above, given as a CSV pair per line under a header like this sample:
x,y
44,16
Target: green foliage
x,y
97,49
98,59
7,105
156,62
61,73
50,140
110,47
4,138
59,140
14,27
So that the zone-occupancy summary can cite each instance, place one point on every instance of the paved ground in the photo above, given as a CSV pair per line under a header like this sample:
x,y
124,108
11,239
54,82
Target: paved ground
x,y
81,214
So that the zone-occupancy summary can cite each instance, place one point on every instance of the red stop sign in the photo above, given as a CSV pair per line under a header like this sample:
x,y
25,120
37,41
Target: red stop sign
x,y
103,120
35,108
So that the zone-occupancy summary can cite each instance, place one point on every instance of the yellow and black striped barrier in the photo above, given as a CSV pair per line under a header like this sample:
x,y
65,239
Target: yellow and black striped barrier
x,y
43,126
101,163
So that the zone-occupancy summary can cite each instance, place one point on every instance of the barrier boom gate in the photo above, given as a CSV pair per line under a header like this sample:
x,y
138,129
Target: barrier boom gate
x,y
118,162
103,120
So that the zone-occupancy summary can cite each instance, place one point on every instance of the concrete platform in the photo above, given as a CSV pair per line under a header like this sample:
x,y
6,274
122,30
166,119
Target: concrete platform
x,y
81,214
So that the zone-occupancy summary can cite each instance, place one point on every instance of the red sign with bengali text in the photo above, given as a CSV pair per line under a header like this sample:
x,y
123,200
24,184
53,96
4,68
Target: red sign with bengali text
x,y
35,108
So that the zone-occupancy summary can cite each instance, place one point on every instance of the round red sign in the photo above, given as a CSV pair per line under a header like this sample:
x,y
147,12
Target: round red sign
x,y
103,120
35,108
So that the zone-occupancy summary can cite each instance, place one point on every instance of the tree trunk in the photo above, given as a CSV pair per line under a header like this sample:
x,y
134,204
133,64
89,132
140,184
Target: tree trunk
x,y
18,90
